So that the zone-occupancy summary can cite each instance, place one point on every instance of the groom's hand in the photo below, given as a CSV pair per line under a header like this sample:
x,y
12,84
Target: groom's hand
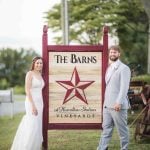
x,y
117,107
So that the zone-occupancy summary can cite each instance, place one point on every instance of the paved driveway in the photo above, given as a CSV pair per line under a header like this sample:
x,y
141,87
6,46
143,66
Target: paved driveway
x,y
10,109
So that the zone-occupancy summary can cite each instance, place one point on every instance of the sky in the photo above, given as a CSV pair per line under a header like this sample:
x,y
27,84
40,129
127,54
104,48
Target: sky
x,y
22,21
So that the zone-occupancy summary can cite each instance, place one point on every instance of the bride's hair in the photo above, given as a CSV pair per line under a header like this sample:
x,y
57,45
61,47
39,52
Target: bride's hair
x,y
33,62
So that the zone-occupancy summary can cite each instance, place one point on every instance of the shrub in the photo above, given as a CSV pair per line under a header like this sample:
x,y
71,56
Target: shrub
x,y
19,90
144,78
4,84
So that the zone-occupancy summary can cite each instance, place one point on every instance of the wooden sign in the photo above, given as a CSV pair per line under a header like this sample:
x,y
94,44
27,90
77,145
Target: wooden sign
x,y
74,91
75,87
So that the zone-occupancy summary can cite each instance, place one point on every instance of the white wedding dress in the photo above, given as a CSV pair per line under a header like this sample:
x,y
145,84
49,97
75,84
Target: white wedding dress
x,y
29,133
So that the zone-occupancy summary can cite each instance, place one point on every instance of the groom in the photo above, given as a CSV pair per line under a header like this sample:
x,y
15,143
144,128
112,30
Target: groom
x,y
116,103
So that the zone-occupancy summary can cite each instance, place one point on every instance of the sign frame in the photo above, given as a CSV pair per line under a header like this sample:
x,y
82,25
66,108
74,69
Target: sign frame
x,y
69,48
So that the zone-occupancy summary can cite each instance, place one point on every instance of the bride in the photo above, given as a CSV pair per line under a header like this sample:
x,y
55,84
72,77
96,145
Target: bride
x,y
29,133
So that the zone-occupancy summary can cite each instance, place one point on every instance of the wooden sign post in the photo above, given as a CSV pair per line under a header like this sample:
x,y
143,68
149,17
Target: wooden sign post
x,y
74,91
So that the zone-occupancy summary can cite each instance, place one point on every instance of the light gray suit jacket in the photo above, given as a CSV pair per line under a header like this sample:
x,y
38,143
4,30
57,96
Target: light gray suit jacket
x,y
117,86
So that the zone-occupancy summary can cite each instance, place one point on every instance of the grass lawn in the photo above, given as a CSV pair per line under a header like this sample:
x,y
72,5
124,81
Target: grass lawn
x,y
67,139
8,128
88,140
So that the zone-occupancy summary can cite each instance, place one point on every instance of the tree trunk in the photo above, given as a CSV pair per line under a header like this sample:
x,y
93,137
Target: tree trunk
x,y
64,17
146,4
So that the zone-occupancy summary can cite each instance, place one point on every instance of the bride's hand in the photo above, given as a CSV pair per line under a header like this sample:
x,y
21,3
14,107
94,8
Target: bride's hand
x,y
34,111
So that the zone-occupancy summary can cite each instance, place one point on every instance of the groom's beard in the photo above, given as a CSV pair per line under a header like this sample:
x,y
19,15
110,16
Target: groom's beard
x,y
113,58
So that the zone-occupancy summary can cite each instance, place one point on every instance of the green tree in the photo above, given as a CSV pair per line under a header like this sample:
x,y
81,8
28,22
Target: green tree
x,y
131,28
146,5
13,66
86,19
127,20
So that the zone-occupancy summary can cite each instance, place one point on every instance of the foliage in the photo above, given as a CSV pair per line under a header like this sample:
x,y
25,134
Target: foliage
x,y
144,78
132,30
4,83
13,66
127,20
19,89
86,19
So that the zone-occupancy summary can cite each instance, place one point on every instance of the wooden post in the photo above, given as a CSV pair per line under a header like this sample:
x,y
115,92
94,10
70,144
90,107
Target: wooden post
x,y
104,58
45,89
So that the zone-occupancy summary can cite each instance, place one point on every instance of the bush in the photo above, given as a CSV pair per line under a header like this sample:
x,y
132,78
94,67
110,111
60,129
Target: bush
x,y
144,78
19,90
4,84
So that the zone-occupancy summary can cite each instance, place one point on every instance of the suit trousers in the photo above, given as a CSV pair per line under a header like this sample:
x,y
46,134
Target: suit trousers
x,y
118,119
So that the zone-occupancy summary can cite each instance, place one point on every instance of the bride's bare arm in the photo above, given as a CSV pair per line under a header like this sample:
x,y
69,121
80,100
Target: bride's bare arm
x,y
28,85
